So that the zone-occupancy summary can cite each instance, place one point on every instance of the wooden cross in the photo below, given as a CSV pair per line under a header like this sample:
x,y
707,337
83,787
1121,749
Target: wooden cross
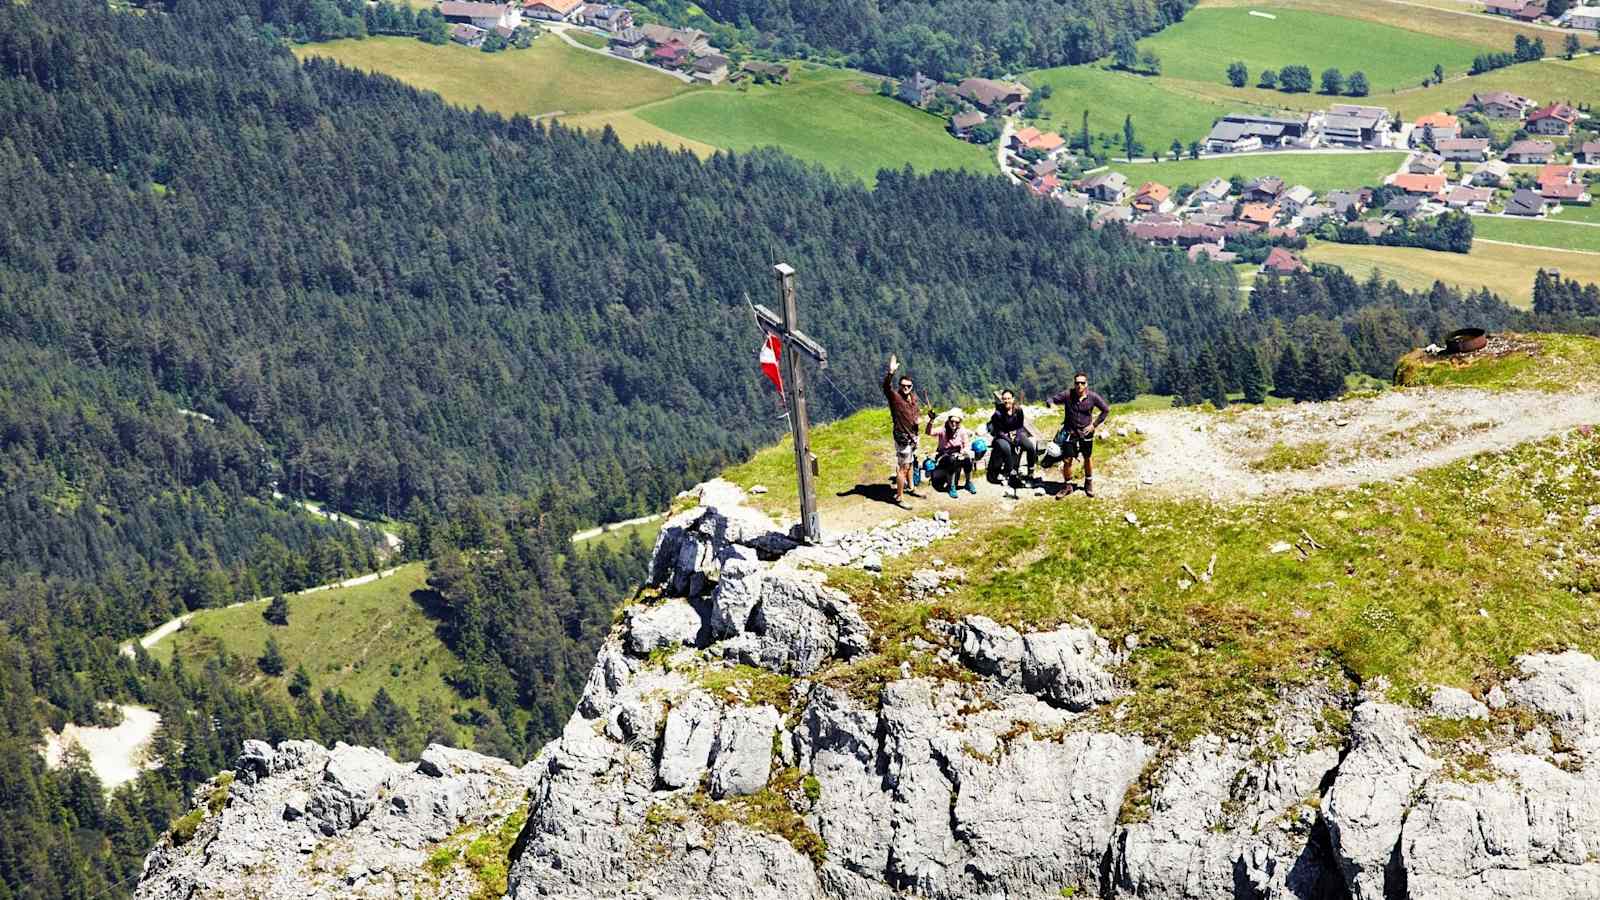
x,y
787,330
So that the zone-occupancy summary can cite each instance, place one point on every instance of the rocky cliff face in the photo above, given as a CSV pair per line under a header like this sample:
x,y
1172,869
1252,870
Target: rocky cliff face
x,y
741,736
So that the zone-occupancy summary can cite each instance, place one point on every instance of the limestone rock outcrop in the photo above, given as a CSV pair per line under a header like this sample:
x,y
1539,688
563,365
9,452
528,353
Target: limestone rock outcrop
x,y
745,734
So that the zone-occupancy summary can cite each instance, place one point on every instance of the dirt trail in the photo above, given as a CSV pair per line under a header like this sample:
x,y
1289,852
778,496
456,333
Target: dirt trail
x,y
1390,436
116,754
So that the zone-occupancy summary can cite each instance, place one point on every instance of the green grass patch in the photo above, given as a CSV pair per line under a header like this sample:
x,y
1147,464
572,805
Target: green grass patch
x,y
833,117
617,538
1449,19
747,685
1162,111
597,41
775,809
1395,590
1318,171
355,639
1502,268
1538,233
1590,213
185,826
1576,80
1548,362
1208,39
551,76
1281,457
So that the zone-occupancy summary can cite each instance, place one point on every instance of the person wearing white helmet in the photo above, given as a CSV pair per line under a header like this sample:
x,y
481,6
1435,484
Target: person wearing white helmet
x,y
953,457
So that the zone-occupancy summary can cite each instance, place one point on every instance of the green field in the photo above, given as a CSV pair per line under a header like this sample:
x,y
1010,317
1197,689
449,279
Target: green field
x,y
1539,233
1590,213
1318,171
1505,270
1161,108
1451,22
588,39
1576,81
1207,40
354,639
548,77
828,116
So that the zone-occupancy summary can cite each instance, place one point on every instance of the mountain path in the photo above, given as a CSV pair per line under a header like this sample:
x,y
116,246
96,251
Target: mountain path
x,y
1393,435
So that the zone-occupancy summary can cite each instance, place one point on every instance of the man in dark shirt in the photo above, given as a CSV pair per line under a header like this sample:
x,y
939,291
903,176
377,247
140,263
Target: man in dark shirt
x,y
1077,430
906,412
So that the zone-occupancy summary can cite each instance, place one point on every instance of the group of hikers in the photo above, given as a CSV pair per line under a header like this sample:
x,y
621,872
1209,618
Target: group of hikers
x,y
957,450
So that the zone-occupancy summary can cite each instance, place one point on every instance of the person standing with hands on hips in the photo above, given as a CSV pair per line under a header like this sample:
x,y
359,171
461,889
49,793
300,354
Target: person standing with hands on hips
x,y
906,412
1076,437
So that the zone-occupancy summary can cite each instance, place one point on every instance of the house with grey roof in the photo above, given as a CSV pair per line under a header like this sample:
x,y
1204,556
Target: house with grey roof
x,y
1349,125
1525,203
1107,187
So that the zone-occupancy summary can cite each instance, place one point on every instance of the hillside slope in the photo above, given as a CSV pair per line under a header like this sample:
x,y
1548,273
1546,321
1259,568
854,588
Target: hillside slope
x,y
1041,699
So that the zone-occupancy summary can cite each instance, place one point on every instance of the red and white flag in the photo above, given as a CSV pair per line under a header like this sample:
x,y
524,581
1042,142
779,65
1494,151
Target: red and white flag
x,y
771,350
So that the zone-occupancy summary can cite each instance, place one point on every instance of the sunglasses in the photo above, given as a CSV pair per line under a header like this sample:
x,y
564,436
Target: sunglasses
x,y
1081,383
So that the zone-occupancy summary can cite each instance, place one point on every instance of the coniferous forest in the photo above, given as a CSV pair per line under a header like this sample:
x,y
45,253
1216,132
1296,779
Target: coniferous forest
x,y
229,281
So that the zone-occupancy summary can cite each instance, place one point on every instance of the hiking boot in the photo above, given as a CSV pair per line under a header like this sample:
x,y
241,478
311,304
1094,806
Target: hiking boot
x,y
971,488
953,494
1088,487
911,493
903,505
1066,491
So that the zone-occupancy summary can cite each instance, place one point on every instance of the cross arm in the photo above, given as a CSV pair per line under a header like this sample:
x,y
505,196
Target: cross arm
x,y
771,323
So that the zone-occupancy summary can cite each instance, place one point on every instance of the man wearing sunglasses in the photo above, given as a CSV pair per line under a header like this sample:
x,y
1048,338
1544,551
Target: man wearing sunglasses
x,y
1077,430
906,413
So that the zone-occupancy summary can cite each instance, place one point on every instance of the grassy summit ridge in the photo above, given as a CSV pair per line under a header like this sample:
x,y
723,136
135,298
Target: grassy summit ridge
x,y
1441,577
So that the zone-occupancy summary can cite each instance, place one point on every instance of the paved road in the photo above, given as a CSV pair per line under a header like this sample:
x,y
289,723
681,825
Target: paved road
x,y
1000,150
598,530
561,30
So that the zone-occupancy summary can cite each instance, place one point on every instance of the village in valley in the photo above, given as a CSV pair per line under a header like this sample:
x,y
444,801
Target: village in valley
x,y
1336,157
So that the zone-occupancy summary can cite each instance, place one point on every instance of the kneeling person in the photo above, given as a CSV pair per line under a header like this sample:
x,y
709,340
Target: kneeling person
x,y
1076,438
954,454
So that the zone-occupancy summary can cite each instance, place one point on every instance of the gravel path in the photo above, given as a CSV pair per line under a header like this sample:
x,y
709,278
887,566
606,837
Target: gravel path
x,y
1391,436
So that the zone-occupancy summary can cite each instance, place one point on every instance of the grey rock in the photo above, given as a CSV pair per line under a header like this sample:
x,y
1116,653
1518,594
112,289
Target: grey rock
x,y
1044,813
1528,834
606,677
672,623
742,754
736,596
349,787
837,742
1368,800
992,649
1065,667
254,762
634,720
1454,703
686,743
801,623
1564,688
259,845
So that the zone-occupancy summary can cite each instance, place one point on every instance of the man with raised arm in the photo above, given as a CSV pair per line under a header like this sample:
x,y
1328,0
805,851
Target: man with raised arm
x,y
905,411
1076,438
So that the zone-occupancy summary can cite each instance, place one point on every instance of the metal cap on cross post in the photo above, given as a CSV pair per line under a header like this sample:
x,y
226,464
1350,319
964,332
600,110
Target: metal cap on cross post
x,y
787,328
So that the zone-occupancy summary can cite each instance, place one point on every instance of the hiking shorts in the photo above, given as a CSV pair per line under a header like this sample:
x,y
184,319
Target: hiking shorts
x,y
905,452
1074,445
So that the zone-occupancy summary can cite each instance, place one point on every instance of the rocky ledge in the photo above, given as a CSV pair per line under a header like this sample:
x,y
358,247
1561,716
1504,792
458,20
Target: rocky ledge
x,y
740,737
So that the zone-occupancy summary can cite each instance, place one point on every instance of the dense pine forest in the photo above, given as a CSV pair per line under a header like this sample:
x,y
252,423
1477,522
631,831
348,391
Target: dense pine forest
x,y
942,38
226,277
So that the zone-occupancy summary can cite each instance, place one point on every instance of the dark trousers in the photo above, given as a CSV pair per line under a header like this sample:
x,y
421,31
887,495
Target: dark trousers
x,y
950,466
1007,455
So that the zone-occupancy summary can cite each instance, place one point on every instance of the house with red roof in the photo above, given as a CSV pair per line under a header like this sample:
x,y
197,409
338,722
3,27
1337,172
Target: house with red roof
x,y
1420,185
1283,262
1556,118
1153,197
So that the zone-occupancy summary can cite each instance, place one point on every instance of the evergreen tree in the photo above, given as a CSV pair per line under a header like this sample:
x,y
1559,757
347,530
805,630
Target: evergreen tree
x,y
1207,379
1288,378
1254,377
300,684
271,661
277,612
